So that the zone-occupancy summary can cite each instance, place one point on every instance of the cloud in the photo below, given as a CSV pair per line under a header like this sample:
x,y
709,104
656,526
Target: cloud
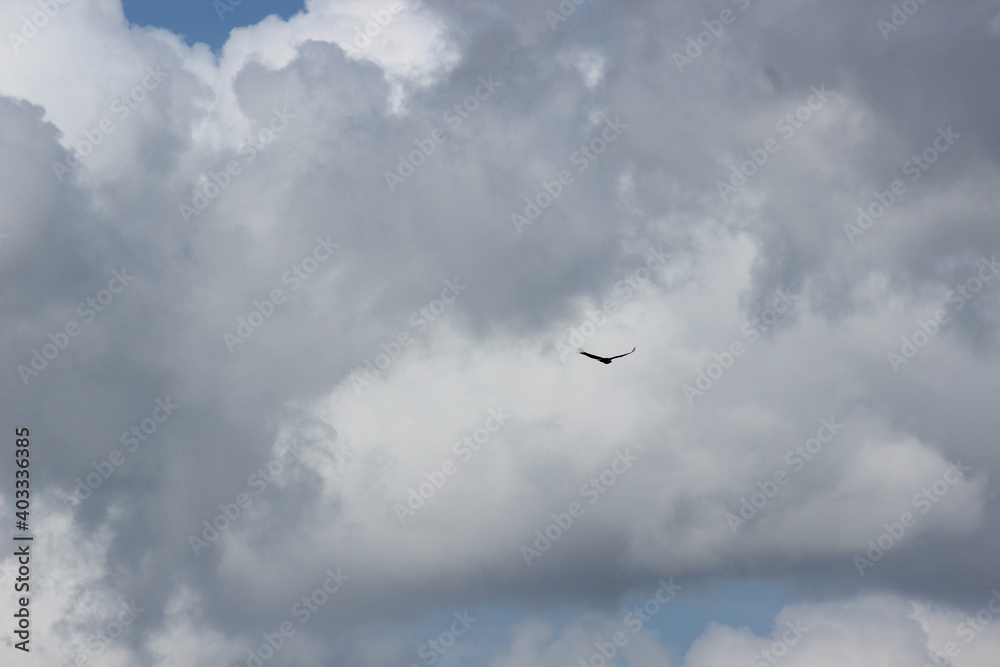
x,y
360,272
871,630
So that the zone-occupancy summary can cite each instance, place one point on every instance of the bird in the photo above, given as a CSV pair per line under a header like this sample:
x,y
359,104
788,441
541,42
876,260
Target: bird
x,y
604,360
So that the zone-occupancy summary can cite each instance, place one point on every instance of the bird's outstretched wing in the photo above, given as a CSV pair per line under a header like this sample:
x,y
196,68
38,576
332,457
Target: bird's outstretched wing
x,y
622,355
592,356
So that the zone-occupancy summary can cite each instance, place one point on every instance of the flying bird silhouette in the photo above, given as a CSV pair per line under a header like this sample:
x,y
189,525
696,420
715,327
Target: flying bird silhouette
x,y
604,360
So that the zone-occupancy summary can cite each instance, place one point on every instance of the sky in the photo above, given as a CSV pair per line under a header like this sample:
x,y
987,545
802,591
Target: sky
x,y
292,297
208,22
